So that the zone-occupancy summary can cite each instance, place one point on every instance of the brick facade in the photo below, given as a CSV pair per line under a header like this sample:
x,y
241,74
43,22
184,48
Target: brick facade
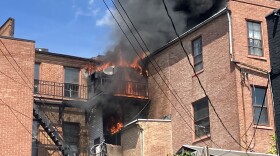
x,y
51,69
221,77
147,137
16,138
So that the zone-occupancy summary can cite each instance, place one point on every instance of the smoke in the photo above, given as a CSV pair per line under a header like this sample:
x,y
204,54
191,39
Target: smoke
x,y
153,24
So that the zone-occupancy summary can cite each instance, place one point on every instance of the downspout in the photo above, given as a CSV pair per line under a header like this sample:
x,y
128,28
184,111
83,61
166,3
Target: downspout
x,y
230,37
142,142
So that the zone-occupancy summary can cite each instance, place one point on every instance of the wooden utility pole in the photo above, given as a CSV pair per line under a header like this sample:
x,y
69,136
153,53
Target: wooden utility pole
x,y
273,26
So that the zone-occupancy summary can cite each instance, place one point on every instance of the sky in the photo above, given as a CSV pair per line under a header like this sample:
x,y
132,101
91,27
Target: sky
x,y
73,27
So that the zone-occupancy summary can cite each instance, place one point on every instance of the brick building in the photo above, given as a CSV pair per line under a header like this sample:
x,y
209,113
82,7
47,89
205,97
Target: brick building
x,y
230,55
58,108
60,94
43,99
18,126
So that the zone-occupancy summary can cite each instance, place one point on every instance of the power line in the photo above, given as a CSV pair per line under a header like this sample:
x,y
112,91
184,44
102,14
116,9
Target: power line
x,y
189,61
152,75
263,102
40,98
11,109
3,103
177,97
13,79
15,61
13,66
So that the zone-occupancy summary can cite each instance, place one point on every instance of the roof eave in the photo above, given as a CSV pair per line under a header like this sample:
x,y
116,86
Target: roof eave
x,y
218,14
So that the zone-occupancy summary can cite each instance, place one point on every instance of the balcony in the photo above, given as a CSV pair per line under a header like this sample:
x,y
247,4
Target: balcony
x,y
63,91
121,88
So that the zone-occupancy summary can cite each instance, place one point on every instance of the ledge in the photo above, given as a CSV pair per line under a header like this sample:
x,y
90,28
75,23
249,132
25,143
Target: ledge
x,y
198,73
206,137
263,127
17,39
257,57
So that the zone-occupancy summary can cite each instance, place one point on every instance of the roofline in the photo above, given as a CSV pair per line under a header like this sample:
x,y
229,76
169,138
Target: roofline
x,y
17,39
10,18
63,55
219,13
275,12
143,120
219,149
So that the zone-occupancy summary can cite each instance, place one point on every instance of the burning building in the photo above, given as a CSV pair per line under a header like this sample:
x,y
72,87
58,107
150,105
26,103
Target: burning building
x,y
120,96
121,101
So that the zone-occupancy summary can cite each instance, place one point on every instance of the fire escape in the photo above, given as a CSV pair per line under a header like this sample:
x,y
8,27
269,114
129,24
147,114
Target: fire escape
x,y
50,130
53,92
129,95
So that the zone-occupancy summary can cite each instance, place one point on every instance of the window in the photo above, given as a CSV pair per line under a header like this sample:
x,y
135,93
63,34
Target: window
x,y
71,135
201,118
71,82
254,38
36,77
258,98
197,54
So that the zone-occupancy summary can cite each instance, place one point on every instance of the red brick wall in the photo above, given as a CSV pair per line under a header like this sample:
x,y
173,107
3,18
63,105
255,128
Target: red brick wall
x,y
15,139
217,77
241,11
221,79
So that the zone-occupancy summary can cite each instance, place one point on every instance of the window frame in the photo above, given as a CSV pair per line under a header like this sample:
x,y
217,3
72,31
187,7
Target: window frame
x,y
72,90
79,73
260,106
248,38
39,64
195,135
201,50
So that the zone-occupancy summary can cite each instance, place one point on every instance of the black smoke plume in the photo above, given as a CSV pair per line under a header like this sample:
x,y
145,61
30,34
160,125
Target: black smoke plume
x,y
153,24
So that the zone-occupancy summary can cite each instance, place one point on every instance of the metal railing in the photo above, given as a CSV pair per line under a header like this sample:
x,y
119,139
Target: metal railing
x,y
121,87
60,90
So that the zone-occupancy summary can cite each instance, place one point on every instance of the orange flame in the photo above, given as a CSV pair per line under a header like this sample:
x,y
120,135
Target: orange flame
x,y
116,128
103,66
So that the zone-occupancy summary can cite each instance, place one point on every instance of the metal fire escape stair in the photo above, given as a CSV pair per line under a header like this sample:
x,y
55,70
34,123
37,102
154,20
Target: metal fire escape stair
x,y
49,129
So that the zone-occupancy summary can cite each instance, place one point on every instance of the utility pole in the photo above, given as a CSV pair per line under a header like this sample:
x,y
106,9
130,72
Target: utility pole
x,y
273,26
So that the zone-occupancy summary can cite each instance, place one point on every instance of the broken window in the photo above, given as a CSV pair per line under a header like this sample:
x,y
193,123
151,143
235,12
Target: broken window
x,y
197,54
71,82
258,99
254,38
201,118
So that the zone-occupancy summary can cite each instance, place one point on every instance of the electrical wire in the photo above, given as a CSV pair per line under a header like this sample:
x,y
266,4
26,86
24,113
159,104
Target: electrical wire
x,y
152,75
259,117
40,98
3,103
136,116
198,79
154,64
177,97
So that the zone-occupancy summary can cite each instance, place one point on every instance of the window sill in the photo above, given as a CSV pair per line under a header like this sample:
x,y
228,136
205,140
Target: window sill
x,y
201,138
263,127
198,72
257,57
